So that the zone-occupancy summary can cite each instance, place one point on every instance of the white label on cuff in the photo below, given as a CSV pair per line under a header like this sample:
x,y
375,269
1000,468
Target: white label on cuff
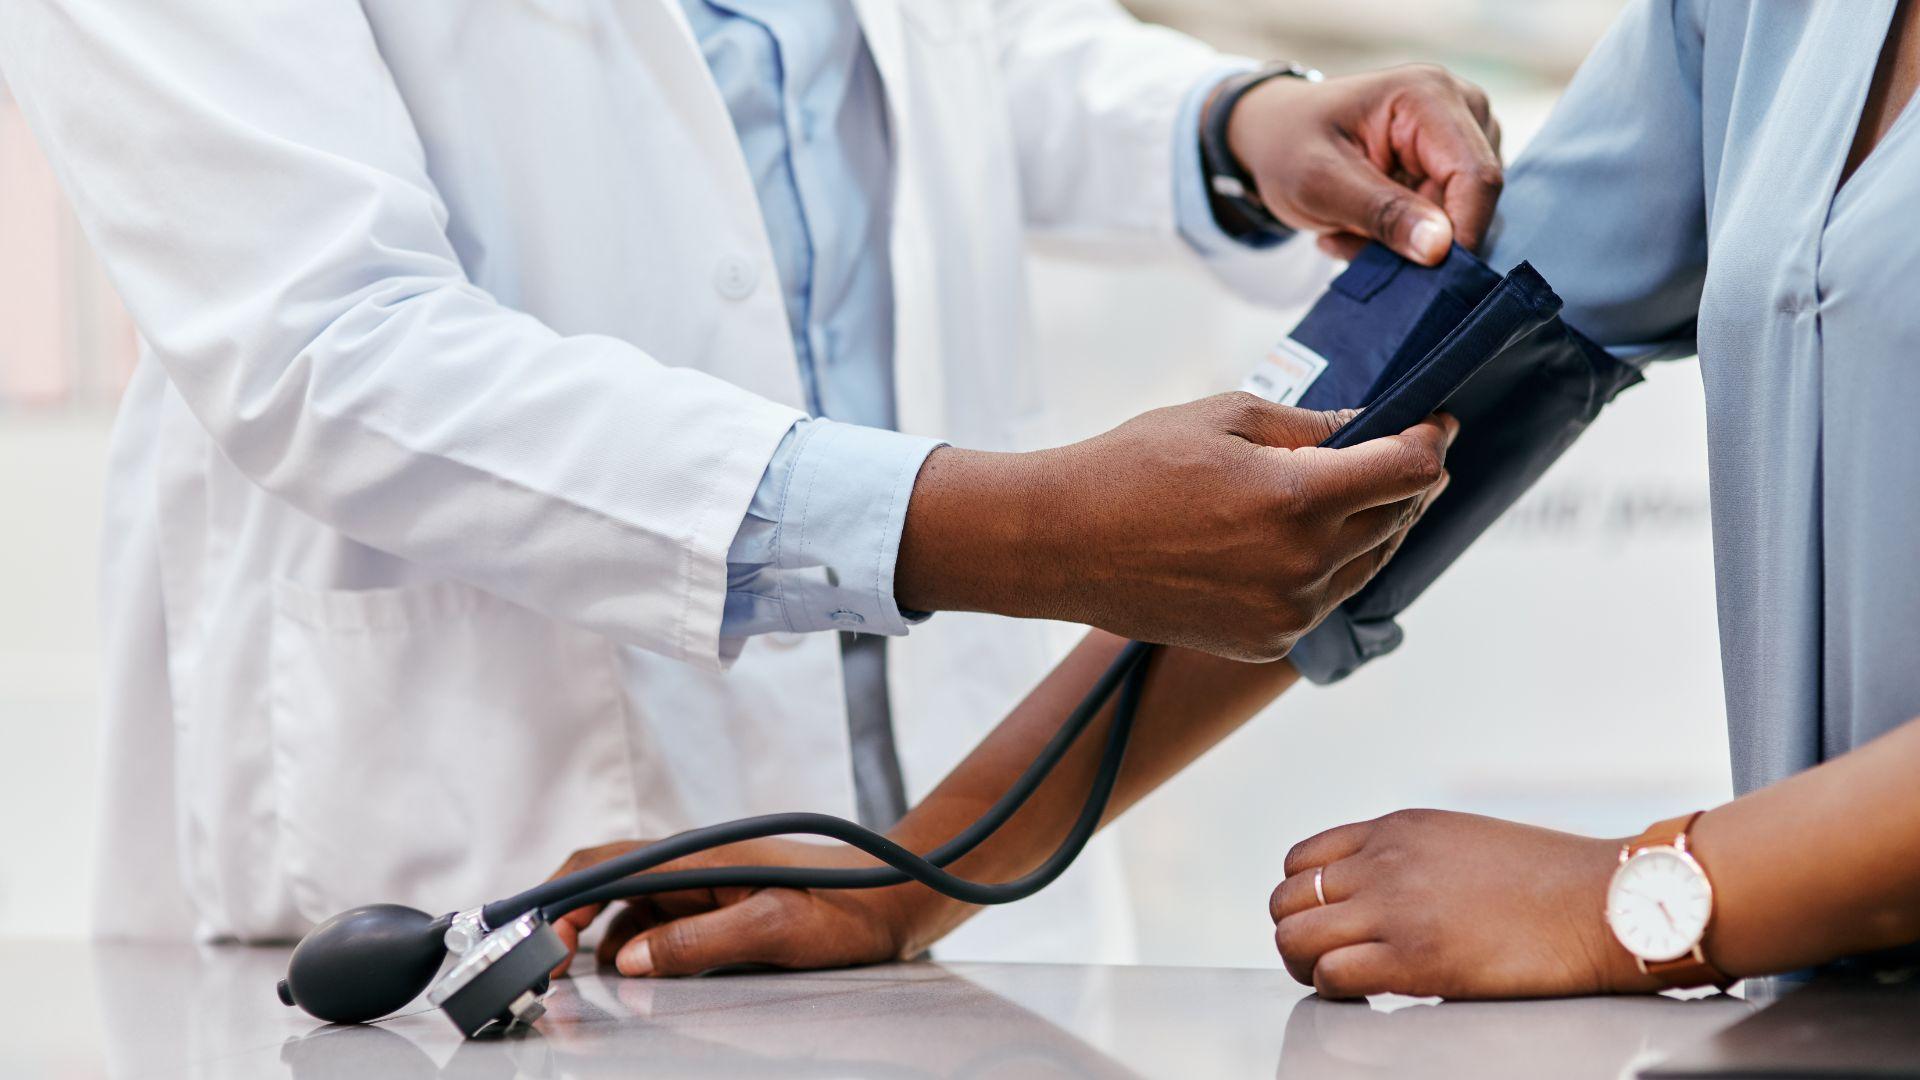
x,y
1285,374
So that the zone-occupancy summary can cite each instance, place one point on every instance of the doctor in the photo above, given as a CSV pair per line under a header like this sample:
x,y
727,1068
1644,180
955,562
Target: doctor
x,y
527,380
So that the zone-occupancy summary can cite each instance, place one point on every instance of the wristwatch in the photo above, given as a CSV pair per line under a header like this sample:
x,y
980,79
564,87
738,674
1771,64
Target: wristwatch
x,y
1232,194
1660,903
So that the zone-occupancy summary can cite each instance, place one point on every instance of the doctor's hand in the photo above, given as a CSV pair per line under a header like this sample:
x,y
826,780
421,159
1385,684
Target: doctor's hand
x,y
696,930
1409,156
1218,525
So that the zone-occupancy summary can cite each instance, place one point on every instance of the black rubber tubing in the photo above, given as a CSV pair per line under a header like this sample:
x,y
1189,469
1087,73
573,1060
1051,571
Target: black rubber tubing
x,y
622,877
907,866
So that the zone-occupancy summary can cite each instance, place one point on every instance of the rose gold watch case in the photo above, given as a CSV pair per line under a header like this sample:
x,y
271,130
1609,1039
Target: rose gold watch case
x,y
1679,850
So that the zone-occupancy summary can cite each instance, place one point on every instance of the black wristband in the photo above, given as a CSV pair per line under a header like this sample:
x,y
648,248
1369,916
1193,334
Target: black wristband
x,y
1232,194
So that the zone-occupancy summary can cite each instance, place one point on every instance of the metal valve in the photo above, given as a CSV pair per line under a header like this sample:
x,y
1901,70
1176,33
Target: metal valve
x,y
502,977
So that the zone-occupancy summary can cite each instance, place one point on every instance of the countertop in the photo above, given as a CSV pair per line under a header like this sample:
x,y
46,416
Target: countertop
x,y
70,1009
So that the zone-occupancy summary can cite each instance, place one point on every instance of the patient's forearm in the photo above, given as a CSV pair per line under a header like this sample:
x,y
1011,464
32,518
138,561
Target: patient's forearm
x,y
1819,865
1192,701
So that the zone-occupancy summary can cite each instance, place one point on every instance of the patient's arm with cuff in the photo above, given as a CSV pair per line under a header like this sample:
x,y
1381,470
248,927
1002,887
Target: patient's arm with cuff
x,y
1394,332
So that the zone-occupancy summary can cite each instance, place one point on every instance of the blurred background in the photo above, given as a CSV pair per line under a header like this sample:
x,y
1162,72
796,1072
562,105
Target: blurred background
x,y
1566,671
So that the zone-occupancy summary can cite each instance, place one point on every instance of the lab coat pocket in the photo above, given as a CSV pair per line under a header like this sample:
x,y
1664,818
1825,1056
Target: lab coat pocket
x,y
437,746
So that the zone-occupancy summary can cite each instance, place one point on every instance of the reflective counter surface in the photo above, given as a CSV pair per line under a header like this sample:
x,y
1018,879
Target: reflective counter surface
x,y
72,1009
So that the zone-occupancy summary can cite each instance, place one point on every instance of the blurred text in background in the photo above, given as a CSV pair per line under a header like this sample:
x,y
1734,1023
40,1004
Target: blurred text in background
x,y
1492,705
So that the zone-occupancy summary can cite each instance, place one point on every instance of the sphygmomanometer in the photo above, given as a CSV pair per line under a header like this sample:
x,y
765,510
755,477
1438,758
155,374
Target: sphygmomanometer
x,y
1399,339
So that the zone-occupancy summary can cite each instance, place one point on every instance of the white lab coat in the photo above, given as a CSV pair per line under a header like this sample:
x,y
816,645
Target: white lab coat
x,y
464,355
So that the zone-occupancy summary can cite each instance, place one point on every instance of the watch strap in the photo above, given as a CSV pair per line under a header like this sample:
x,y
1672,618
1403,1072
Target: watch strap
x,y
1232,193
1687,972
1693,969
1669,833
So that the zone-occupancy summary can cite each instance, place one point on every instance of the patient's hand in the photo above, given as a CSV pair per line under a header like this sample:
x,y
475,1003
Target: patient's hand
x,y
1425,902
696,930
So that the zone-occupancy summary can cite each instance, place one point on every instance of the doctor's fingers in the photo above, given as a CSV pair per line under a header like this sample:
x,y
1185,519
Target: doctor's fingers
x,y
1342,245
1346,245
1456,142
1266,423
1395,522
1378,472
1439,137
1425,128
1349,193
1367,532
1400,518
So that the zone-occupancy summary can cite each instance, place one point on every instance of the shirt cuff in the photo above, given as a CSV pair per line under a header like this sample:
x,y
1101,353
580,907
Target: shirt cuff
x,y
1193,211
817,548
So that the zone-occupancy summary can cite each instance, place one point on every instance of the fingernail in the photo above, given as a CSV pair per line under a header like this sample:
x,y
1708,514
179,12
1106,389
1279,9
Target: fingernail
x,y
637,958
1430,237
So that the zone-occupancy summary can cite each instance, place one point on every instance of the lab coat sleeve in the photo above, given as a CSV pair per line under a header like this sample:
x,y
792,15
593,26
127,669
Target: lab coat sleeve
x,y
254,185
1105,117
1095,96
1608,201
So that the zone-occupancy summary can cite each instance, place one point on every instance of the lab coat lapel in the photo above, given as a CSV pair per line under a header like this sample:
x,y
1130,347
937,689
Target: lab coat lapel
x,y
880,22
919,394
666,38
663,35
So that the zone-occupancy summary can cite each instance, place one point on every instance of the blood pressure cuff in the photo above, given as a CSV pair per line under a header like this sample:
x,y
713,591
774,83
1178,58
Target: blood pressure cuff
x,y
1536,383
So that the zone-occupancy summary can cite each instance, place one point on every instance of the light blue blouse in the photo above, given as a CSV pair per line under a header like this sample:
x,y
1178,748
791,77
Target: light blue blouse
x,y
1685,194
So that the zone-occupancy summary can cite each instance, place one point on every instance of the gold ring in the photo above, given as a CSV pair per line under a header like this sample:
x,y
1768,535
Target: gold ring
x,y
1319,889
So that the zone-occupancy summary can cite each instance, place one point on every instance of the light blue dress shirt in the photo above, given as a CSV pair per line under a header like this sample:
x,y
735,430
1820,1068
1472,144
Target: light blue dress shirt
x,y
817,548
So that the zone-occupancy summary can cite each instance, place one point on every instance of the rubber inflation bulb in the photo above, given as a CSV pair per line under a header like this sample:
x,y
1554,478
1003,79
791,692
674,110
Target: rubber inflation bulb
x,y
365,963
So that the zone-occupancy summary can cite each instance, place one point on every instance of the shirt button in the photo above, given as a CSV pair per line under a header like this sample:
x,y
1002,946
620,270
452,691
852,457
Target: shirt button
x,y
735,277
848,618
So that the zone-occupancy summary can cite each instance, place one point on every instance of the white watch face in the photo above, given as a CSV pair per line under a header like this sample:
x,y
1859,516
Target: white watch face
x,y
1659,904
